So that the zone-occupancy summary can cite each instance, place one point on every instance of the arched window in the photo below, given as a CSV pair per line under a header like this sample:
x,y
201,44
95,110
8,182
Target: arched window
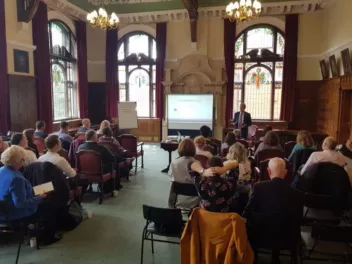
x,y
63,70
137,65
258,72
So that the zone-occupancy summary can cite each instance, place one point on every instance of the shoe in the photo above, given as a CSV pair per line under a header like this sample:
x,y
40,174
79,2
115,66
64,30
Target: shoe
x,y
119,187
53,240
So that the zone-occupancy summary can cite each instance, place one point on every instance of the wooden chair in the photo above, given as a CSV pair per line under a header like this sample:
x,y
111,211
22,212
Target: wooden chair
x,y
203,160
268,154
134,149
90,168
243,142
39,142
63,153
217,142
263,175
289,147
224,153
211,149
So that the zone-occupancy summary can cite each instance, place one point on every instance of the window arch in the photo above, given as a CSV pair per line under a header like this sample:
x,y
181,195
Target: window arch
x,y
258,72
137,69
62,46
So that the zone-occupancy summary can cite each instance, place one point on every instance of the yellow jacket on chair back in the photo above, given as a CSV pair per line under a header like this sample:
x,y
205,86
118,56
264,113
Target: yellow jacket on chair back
x,y
215,238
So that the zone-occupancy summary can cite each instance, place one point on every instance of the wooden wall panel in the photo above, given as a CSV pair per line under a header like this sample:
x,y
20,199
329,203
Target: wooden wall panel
x,y
23,102
148,130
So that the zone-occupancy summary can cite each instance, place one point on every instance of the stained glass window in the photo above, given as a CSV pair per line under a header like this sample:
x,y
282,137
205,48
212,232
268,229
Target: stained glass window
x,y
137,79
63,71
258,79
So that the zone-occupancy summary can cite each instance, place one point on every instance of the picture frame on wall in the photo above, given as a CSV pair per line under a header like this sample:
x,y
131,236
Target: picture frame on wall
x,y
346,61
333,66
21,61
324,69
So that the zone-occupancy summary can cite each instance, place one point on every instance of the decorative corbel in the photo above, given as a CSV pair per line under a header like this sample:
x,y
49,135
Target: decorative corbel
x,y
192,8
167,87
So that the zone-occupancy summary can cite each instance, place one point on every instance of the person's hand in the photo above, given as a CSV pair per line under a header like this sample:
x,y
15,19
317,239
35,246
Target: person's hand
x,y
219,170
43,195
208,172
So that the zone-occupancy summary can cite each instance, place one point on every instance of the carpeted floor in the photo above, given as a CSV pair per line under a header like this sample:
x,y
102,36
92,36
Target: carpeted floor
x,y
113,234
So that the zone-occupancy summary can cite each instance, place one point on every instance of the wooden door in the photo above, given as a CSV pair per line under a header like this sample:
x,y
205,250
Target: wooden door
x,y
344,128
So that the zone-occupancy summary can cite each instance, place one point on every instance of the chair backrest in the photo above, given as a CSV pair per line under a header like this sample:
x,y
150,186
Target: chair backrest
x,y
264,175
256,144
243,142
335,233
299,158
39,142
128,142
217,142
317,201
63,153
80,136
211,149
163,216
268,154
89,163
4,208
110,146
184,189
289,147
225,151
252,132
203,160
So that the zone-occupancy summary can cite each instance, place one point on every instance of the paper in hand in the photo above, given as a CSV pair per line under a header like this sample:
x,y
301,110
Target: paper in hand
x,y
43,188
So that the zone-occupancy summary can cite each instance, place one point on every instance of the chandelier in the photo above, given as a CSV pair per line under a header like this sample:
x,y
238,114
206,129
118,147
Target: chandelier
x,y
243,11
102,19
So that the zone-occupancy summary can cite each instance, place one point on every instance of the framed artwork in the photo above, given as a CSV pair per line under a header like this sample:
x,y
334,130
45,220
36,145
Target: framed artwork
x,y
21,61
333,66
324,69
346,61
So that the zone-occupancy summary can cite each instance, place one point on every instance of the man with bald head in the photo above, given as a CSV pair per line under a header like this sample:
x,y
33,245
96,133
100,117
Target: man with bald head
x,y
275,197
85,126
329,154
242,120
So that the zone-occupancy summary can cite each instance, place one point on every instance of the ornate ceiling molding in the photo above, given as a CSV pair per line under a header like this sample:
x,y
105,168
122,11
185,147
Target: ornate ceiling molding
x,y
281,8
119,2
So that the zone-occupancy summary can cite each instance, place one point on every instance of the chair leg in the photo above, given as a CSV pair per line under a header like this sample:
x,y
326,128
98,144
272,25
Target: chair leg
x,y
152,243
143,161
135,169
101,193
19,247
142,248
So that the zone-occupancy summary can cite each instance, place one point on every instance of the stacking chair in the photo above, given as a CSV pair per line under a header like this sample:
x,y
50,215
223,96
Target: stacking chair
x,y
268,154
263,175
134,149
288,147
163,222
63,153
203,160
90,168
186,189
39,142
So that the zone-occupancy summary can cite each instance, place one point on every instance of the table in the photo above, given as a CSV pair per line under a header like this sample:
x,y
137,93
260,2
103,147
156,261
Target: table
x,y
169,146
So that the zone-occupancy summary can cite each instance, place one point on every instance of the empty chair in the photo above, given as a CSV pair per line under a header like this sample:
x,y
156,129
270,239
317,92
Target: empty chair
x,y
134,149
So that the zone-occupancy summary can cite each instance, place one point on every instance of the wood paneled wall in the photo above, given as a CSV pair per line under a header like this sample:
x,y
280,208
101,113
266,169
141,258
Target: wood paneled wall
x,y
23,102
148,130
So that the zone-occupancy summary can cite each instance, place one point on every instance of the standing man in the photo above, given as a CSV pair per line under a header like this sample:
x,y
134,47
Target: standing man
x,y
242,120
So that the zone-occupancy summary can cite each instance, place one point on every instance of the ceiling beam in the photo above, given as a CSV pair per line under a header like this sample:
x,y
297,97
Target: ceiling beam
x,y
192,9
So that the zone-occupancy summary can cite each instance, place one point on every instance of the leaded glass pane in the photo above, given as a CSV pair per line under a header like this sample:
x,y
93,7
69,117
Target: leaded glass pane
x,y
277,103
131,67
121,52
279,70
122,88
154,50
239,47
138,44
238,73
59,91
250,64
139,91
154,105
154,73
122,74
280,46
260,38
269,64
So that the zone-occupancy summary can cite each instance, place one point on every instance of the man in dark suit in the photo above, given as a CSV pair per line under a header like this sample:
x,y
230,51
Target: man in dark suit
x,y
242,120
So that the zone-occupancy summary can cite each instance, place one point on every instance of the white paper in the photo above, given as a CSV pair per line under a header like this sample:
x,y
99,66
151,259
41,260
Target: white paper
x,y
127,115
43,188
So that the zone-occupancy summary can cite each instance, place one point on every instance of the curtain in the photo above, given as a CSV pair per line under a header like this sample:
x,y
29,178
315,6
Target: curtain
x,y
42,66
290,68
81,32
229,53
4,89
160,62
112,93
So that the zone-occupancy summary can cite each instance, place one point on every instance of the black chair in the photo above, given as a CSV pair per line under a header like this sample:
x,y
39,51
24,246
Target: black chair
x,y
161,222
328,240
288,147
275,233
177,188
299,158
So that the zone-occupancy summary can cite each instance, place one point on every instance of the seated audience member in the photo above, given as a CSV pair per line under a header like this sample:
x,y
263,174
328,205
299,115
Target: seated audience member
x,y
230,139
266,129
39,129
275,197
304,140
18,193
85,126
237,133
3,145
53,144
29,133
106,156
104,124
200,144
346,150
329,154
65,138
271,141
108,137
21,141
217,192
205,131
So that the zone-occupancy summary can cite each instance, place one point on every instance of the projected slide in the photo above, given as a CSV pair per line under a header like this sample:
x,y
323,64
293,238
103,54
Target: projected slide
x,y
190,111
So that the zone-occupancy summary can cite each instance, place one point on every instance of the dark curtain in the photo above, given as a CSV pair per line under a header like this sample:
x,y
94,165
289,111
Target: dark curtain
x,y
290,68
111,92
81,35
4,89
42,65
229,52
160,62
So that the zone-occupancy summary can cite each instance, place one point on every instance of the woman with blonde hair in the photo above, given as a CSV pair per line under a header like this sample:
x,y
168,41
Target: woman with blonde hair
x,y
200,143
304,140
103,124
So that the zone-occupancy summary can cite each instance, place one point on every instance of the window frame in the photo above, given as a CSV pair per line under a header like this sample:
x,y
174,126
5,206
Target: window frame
x,y
126,64
259,63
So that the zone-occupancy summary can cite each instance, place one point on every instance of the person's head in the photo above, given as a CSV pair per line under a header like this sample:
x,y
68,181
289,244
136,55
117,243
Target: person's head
x,y
64,126
200,142
187,148
53,143
230,139
304,139
329,143
13,157
29,133
266,129
40,125
107,132
237,152
271,139
19,139
216,162
242,107
91,136
205,131
104,124
237,133
86,123
277,168
349,143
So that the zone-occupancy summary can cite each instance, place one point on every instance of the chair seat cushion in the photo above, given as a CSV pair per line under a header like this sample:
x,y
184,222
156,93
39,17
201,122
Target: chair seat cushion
x,y
160,231
320,215
97,178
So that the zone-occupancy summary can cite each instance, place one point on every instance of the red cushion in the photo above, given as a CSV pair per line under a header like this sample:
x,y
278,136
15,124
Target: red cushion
x,y
97,179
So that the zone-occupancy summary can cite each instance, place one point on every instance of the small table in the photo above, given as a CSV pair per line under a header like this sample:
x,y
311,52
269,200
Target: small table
x,y
169,146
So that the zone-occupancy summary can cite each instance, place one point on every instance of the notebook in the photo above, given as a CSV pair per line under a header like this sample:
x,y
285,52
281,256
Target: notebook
x,y
43,188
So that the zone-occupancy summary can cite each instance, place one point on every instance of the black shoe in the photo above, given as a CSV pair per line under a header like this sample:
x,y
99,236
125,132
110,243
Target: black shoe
x,y
52,240
119,187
